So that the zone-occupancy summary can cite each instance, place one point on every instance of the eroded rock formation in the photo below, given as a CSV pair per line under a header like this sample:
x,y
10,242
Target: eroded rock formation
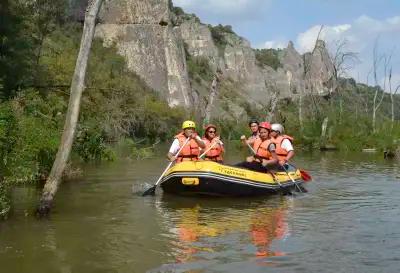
x,y
155,43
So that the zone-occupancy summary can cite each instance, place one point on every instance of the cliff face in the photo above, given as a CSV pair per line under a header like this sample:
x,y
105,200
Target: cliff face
x,y
143,33
157,43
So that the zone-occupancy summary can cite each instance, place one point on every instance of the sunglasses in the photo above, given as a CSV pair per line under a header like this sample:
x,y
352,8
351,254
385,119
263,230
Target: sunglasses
x,y
211,132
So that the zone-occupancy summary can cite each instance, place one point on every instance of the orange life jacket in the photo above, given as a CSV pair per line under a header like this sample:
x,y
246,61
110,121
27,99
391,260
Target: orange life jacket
x,y
190,151
254,137
281,153
261,149
215,153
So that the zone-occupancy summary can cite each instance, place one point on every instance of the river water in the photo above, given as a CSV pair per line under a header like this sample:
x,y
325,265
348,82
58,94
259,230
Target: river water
x,y
347,222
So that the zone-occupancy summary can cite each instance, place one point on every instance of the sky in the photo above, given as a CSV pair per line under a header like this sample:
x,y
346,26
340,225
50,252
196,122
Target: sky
x,y
362,24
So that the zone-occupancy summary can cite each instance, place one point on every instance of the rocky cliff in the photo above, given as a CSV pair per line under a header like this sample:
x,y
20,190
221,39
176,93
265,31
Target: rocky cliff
x,y
153,48
159,40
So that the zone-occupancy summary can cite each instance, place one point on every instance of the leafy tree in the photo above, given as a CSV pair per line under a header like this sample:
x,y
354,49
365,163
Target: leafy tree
x,y
15,51
44,17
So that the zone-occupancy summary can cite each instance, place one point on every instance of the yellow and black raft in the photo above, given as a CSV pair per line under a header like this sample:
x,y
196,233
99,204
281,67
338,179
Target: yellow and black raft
x,y
211,178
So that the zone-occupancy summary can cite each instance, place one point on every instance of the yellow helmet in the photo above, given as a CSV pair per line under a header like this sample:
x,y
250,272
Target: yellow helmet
x,y
188,124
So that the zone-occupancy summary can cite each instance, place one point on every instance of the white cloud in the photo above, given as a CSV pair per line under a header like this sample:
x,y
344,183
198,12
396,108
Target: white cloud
x,y
306,40
247,18
225,10
360,37
281,43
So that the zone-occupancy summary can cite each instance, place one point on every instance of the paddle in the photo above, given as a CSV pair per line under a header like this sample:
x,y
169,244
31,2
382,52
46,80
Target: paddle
x,y
304,174
276,180
273,176
212,146
152,190
291,178
251,148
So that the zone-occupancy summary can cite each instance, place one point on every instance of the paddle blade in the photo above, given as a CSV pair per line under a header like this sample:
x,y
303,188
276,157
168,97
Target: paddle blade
x,y
151,191
305,176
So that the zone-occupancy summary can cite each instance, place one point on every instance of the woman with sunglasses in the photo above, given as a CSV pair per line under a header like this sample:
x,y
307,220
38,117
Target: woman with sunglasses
x,y
213,144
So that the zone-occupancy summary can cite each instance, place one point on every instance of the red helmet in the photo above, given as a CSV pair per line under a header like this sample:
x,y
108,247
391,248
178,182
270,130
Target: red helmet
x,y
265,125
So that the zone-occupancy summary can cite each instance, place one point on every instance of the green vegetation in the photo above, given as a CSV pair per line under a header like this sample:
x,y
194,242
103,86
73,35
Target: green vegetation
x,y
122,116
268,57
348,112
176,10
199,68
219,33
349,121
181,15
5,203
117,105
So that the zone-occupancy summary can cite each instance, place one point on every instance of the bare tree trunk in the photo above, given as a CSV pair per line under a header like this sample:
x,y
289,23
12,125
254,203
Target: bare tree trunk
x,y
374,119
392,121
392,102
301,123
392,98
71,119
323,129
301,113
377,102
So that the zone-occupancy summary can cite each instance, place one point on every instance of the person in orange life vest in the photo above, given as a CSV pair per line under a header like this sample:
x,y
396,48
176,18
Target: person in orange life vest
x,y
253,124
284,146
265,151
210,137
191,150
266,226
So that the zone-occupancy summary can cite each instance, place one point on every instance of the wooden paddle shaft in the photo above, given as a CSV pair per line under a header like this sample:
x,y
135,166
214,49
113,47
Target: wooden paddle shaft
x,y
169,165
212,146
251,148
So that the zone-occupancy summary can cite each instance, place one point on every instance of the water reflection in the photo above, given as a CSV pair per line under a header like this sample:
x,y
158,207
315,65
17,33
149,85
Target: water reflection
x,y
207,228
347,222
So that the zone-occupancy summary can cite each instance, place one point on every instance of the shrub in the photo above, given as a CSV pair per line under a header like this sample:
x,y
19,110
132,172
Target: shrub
x,y
90,145
5,202
218,33
36,137
268,57
199,68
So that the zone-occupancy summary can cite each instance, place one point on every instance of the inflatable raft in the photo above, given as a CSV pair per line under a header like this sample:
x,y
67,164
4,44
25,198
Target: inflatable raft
x,y
210,178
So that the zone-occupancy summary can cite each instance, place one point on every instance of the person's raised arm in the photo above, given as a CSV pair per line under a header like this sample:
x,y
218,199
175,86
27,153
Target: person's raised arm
x,y
198,141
